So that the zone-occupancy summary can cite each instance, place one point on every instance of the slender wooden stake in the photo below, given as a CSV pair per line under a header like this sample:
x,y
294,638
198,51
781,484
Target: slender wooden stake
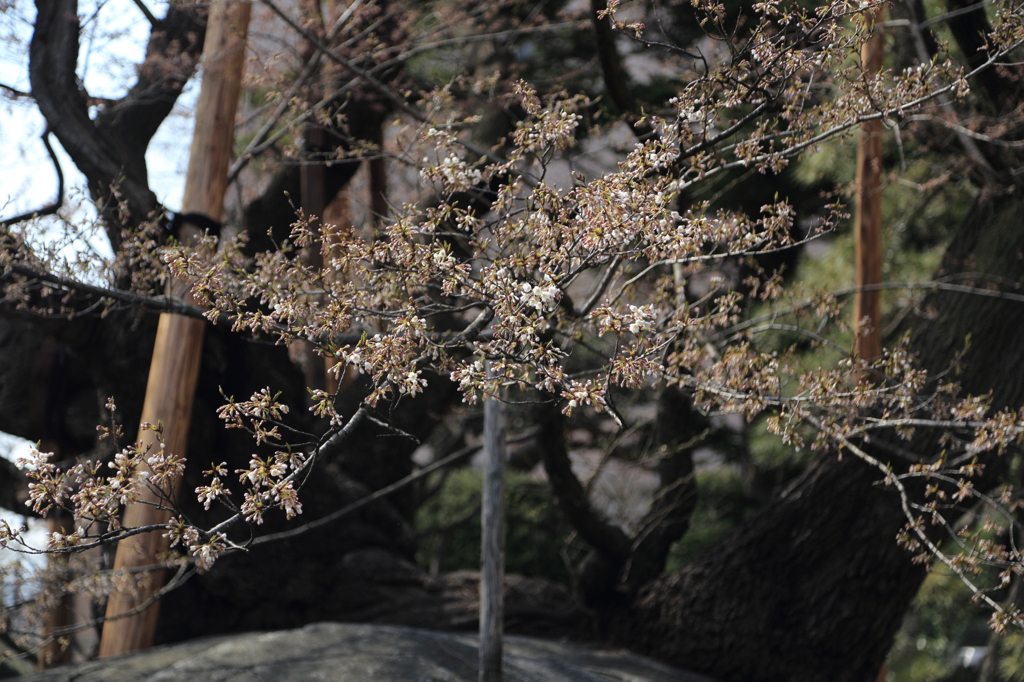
x,y
46,402
174,368
62,614
867,313
378,171
492,575
314,203
867,308
336,213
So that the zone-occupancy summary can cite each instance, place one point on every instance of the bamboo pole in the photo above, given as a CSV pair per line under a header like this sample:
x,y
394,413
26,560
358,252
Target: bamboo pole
x,y
174,368
867,312
492,575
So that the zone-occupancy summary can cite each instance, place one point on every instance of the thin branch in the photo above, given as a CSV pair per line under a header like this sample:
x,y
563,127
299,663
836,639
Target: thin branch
x,y
258,144
156,304
800,330
14,92
49,209
166,304
825,135
359,504
367,77
914,523
1011,144
609,274
956,13
926,286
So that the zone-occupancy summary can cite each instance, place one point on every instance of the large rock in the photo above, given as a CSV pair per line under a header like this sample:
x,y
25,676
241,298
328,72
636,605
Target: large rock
x,y
338,652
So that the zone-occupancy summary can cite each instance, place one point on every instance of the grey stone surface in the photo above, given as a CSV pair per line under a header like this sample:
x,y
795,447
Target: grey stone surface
x,y
338,652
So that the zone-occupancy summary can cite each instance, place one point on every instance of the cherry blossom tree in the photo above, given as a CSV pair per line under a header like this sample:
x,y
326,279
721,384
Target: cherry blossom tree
x,y
577,288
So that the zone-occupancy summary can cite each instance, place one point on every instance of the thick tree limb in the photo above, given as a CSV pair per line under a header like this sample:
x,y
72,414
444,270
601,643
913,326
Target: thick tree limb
x,y
53,56
679,431
172,53
110,151
571,496
616,81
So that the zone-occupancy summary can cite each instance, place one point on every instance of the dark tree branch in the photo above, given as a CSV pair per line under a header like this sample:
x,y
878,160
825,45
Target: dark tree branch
x,y
153,304
616,81
14,92
572,499
153,21
971,30
680,428
172,54
921,37
110,151
57,301
53,55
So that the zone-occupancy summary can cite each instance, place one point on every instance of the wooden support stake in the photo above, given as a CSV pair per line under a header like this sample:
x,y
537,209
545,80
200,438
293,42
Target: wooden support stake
x,y
378,171
46,401
492,574
57,651
336,213
174,368
867,311
867,308
311,178
314,203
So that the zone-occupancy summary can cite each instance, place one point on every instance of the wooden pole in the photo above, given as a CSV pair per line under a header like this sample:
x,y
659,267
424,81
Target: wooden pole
x,y
46,402
336,213
174,368
57,651
867,312
314,203
492,574
378,182
867,308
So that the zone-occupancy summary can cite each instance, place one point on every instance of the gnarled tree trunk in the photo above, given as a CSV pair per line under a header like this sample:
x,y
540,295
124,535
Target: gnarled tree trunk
x,y
814,587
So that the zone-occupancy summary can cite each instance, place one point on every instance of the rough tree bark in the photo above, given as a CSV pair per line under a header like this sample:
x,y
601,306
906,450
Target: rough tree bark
x,y
818,574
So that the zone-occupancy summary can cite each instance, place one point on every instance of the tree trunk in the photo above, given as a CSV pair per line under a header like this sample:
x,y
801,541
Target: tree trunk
x,y
815,586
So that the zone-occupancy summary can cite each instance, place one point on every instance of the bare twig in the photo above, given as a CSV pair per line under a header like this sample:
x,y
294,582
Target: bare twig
x,y
51,208
359,504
